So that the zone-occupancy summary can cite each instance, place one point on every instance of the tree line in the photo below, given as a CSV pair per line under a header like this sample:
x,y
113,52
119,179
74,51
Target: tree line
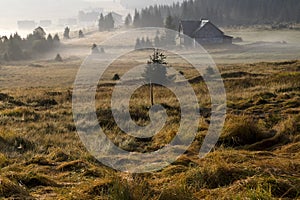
x,y
15,47
223,13
106,23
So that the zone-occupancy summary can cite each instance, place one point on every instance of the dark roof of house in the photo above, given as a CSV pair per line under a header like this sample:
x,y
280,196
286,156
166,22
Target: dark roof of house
x,y
190,27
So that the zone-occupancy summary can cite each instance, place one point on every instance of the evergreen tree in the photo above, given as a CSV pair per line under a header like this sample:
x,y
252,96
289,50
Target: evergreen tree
x,y
56,38
169,23
109,22
157,41
17,37
14,51
50,40
67,33
156,71
148,43
143,42
80,34
95,49
116,77
138,44
102,50
101,23
128,20
58,58
170,33
136,19
106,23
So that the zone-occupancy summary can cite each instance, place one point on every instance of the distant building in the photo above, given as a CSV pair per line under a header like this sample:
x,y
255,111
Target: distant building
x,y
26,25
118,19
202,31
68,22
45,23
91,16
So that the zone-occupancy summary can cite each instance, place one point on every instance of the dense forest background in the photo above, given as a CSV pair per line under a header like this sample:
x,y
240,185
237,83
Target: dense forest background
x,y
223,13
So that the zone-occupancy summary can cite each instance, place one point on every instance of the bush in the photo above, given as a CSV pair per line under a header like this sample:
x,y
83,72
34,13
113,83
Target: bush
x,y
58,58
116,77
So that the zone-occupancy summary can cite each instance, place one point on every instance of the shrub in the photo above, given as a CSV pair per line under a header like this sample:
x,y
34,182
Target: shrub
x,y
116,77
58,58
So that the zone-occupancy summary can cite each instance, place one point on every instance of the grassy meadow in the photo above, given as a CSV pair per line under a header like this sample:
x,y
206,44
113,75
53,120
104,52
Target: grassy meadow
x,y
256,157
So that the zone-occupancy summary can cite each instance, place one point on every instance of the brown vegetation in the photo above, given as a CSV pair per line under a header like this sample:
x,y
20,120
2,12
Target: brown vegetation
x,y
257,156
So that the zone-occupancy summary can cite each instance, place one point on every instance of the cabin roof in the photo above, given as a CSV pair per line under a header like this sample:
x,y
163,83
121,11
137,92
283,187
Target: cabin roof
x,y
191,27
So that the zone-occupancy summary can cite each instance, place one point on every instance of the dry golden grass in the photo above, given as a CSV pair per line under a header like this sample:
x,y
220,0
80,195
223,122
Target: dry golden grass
x,y
257,156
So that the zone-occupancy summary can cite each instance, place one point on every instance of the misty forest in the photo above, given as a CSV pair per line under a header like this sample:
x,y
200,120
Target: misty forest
x,y
223,13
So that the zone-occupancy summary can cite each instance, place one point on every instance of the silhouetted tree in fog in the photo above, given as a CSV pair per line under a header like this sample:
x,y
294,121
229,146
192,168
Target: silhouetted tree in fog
x,y
156,71
136,19
128,20
106,23
101,23
95,49
80,34
67,33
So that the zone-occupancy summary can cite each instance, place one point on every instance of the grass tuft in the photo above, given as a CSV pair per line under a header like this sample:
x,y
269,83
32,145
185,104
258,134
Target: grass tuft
x,y
240,131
